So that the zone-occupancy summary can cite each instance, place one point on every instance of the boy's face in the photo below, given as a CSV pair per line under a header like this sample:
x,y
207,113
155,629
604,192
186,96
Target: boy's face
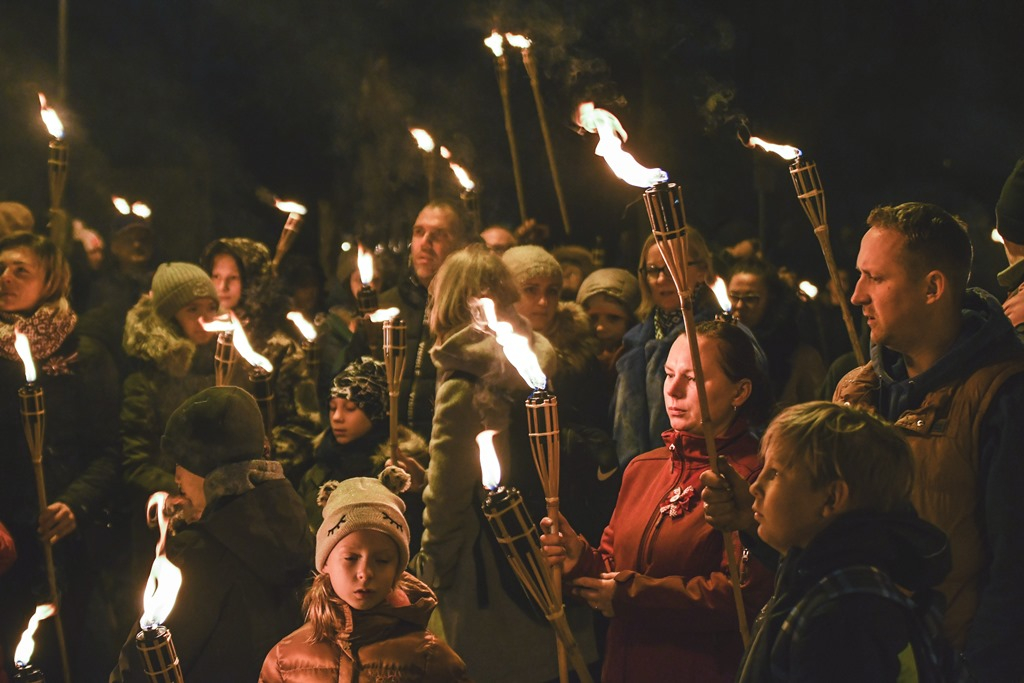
x,y
363,568
608,319
787,507
348,421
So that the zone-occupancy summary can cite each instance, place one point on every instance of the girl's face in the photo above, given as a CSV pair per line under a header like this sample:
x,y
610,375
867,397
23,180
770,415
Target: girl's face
x,y
227,280
21,280
363,567
348,421
609,321
724,395
538,301
191,317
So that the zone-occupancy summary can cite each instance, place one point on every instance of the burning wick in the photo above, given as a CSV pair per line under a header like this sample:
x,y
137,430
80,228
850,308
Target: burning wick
x,y
721,292
50,119
787,152
27,645
612,135
366,299
24,350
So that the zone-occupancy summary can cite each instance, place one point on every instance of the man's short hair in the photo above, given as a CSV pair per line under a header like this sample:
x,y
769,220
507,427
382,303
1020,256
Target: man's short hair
x,y
935,239
837,442
454,208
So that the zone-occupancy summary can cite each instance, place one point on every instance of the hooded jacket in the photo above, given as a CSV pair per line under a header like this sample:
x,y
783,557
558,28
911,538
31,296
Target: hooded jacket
x,y
857,636
962,420
243,566
389,642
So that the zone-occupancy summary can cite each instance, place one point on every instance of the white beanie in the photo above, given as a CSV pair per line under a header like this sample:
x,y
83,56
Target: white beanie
x,y
363,503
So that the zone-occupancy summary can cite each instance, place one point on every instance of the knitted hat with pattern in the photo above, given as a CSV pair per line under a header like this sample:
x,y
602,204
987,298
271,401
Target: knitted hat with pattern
x,y
365,383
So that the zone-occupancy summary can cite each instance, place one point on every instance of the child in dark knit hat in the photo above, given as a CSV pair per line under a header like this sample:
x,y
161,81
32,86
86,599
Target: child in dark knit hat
x,y
355,443
366,616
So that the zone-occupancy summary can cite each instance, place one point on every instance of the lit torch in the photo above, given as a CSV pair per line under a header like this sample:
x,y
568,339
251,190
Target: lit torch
x,y
261,374
366,300
24,672
516,534
664,201
495,43
58,162
33,420
154,643
469,196
224,355
310,349
523,44
290,231
542,418
426,145
811,194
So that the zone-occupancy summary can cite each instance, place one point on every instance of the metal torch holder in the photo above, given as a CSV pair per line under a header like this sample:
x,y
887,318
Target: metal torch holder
x,y
517,536
395,354
57,167
811,194
263,392
224,358
366,300
28,674
665,209
159,657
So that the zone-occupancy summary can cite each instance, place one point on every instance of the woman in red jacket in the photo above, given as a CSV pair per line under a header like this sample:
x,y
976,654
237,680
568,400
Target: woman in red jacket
x,y
661,572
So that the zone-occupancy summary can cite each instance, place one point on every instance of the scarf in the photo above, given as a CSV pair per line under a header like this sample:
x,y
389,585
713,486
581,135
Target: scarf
x,y
47,329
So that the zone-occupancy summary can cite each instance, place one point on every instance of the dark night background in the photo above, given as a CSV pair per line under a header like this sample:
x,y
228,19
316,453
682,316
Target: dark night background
x,y
194,105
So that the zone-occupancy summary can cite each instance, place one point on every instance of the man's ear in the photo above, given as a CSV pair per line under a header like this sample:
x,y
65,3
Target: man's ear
x,y
936,284
838,499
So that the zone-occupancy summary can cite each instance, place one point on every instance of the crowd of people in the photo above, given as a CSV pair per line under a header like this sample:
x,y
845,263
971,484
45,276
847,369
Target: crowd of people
x,y
870,537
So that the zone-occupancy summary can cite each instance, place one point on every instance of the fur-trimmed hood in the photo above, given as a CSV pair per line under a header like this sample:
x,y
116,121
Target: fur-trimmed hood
x,y
149,337
571,335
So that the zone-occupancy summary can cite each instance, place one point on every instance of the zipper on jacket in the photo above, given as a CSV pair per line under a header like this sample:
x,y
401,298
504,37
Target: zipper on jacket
x,y
655,520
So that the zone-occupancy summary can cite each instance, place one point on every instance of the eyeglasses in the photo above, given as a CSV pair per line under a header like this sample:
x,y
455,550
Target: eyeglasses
x,y
654,272
745,299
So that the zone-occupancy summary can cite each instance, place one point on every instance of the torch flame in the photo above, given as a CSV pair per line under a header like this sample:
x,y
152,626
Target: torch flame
x,y
809,289
516,347
787,152
290,207
996,237
383,314
490,468
121,204
222,323
721,292
50,118
521,42
494,41
21,345
141,210
462,176
445,154
423,139
245,349
364,263
612,135
306,328
164,578
23,652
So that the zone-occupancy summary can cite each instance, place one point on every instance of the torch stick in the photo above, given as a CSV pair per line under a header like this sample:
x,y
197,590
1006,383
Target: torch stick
x,y
57,167
263,392
288,234
531,71
394,367
471,201
545,443
668,224
223,358
812,198
33,418
501,72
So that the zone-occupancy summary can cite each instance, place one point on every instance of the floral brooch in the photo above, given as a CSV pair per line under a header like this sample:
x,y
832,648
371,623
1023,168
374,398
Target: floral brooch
x,y
677,502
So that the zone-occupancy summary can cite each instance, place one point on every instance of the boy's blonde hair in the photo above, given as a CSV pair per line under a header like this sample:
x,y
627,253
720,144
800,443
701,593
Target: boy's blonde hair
x,y
836,442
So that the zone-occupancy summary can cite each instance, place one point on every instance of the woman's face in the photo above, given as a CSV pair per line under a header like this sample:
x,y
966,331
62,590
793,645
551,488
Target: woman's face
x,y
749,298
191,317
22,277
724,395
538,301
227,280
663,290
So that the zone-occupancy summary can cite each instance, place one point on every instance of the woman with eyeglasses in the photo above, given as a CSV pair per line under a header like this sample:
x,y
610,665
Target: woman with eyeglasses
x,y
762,302
638,405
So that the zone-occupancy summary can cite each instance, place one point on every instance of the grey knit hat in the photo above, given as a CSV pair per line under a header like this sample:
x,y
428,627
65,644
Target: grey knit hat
x,y
177,284
530,261
365,383
363,503
216,427
1010,207
617,283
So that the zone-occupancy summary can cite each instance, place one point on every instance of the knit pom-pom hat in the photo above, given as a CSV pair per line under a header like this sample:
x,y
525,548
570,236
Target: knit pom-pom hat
x,y
364,503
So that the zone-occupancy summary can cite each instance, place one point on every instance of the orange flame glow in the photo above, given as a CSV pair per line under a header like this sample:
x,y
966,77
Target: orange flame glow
x,y
290,207
164,578
495,41
50,118
306,328
521,42
245,349
612,135
121,204
364,263
809,289
222,323
787,152
383,314
23,652
21,345
445,154
423,139
516,347
490,468
722,294
462,175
